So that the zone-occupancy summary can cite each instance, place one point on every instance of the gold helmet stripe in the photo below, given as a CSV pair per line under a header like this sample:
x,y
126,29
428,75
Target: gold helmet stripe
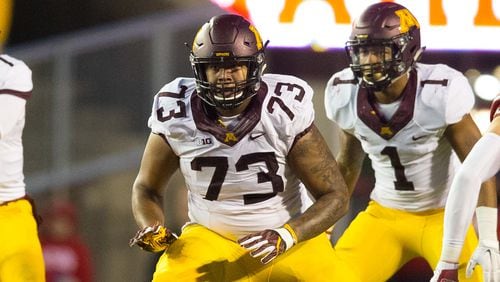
x,y
257,36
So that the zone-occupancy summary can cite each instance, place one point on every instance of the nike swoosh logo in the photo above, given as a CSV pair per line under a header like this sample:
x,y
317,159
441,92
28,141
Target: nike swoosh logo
x,y
254,136
417,138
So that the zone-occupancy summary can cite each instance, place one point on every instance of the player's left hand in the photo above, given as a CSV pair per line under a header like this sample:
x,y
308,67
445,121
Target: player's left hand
x,y
488,256
155,238
267,244
445,272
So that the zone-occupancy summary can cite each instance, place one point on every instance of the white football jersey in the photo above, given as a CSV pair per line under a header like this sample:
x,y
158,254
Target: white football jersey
x,y
237,176
413,162
15,89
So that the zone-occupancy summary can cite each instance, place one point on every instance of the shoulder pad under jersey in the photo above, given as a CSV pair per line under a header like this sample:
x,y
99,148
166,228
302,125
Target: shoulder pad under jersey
x,y
445,90
289,103
15,77
172,101
340,93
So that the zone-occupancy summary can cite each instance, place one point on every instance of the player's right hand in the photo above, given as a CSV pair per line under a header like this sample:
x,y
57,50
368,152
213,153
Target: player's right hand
x,y
488,256
268,244
445,272
154,238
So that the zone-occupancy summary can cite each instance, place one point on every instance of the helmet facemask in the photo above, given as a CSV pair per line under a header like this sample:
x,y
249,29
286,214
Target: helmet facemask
x,y
227,94
390,66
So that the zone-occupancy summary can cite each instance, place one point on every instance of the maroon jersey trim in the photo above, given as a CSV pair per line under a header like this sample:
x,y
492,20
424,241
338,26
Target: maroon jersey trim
x,y
300,135
371,116
20,94
205,118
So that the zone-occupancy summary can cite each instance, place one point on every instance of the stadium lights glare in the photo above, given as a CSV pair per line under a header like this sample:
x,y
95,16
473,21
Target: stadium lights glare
x,y
324,24
487,87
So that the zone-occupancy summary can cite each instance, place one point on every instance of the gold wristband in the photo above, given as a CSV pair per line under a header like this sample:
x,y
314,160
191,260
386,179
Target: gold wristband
x,y
292,232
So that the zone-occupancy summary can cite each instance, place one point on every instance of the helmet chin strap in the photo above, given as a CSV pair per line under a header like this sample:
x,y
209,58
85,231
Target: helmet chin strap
x,y
264,66
418,54
406,73
384,83
377,85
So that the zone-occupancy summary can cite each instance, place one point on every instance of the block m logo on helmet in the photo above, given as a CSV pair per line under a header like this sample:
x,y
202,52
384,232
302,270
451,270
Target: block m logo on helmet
x,y
406,20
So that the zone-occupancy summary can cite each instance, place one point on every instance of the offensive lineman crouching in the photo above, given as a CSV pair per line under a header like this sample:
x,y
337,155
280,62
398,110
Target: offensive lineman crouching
x,y
249,152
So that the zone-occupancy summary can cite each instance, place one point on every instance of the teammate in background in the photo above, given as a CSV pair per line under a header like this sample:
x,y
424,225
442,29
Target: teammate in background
x,y
21,256
413,121
249,152
482,163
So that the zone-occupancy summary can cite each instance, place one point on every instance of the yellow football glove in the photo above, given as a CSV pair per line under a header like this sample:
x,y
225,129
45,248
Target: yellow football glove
x,y
154,239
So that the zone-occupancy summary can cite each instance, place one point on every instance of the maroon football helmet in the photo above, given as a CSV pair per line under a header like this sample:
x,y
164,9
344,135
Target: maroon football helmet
x,y
391,30
226,41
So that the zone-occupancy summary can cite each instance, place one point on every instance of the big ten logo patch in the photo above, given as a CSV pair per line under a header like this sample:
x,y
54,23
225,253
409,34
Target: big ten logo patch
x,y
203,141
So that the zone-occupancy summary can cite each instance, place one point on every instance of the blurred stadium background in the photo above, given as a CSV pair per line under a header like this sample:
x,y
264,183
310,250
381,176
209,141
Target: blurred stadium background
x,y
96,66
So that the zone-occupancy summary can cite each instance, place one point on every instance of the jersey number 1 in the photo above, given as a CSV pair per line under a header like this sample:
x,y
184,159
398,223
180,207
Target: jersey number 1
x,y
401,182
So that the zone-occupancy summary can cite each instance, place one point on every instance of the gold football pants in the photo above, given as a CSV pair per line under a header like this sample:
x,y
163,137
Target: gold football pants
x,y
381,240
202,255
21,258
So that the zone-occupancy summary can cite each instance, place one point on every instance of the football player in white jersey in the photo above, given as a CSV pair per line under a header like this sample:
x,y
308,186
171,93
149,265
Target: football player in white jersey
x,y
482,163
250,155
413,122
21,256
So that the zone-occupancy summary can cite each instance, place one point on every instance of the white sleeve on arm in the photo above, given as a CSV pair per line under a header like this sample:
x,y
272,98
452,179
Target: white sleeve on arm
x,y
481,163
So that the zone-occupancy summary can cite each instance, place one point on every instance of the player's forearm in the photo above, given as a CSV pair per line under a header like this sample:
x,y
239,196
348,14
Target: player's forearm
x,y
327,210
351,175
316,167
350,160
147,207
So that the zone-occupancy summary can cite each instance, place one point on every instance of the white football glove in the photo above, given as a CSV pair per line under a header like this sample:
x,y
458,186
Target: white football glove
x,y
487,255
268,244
445,272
